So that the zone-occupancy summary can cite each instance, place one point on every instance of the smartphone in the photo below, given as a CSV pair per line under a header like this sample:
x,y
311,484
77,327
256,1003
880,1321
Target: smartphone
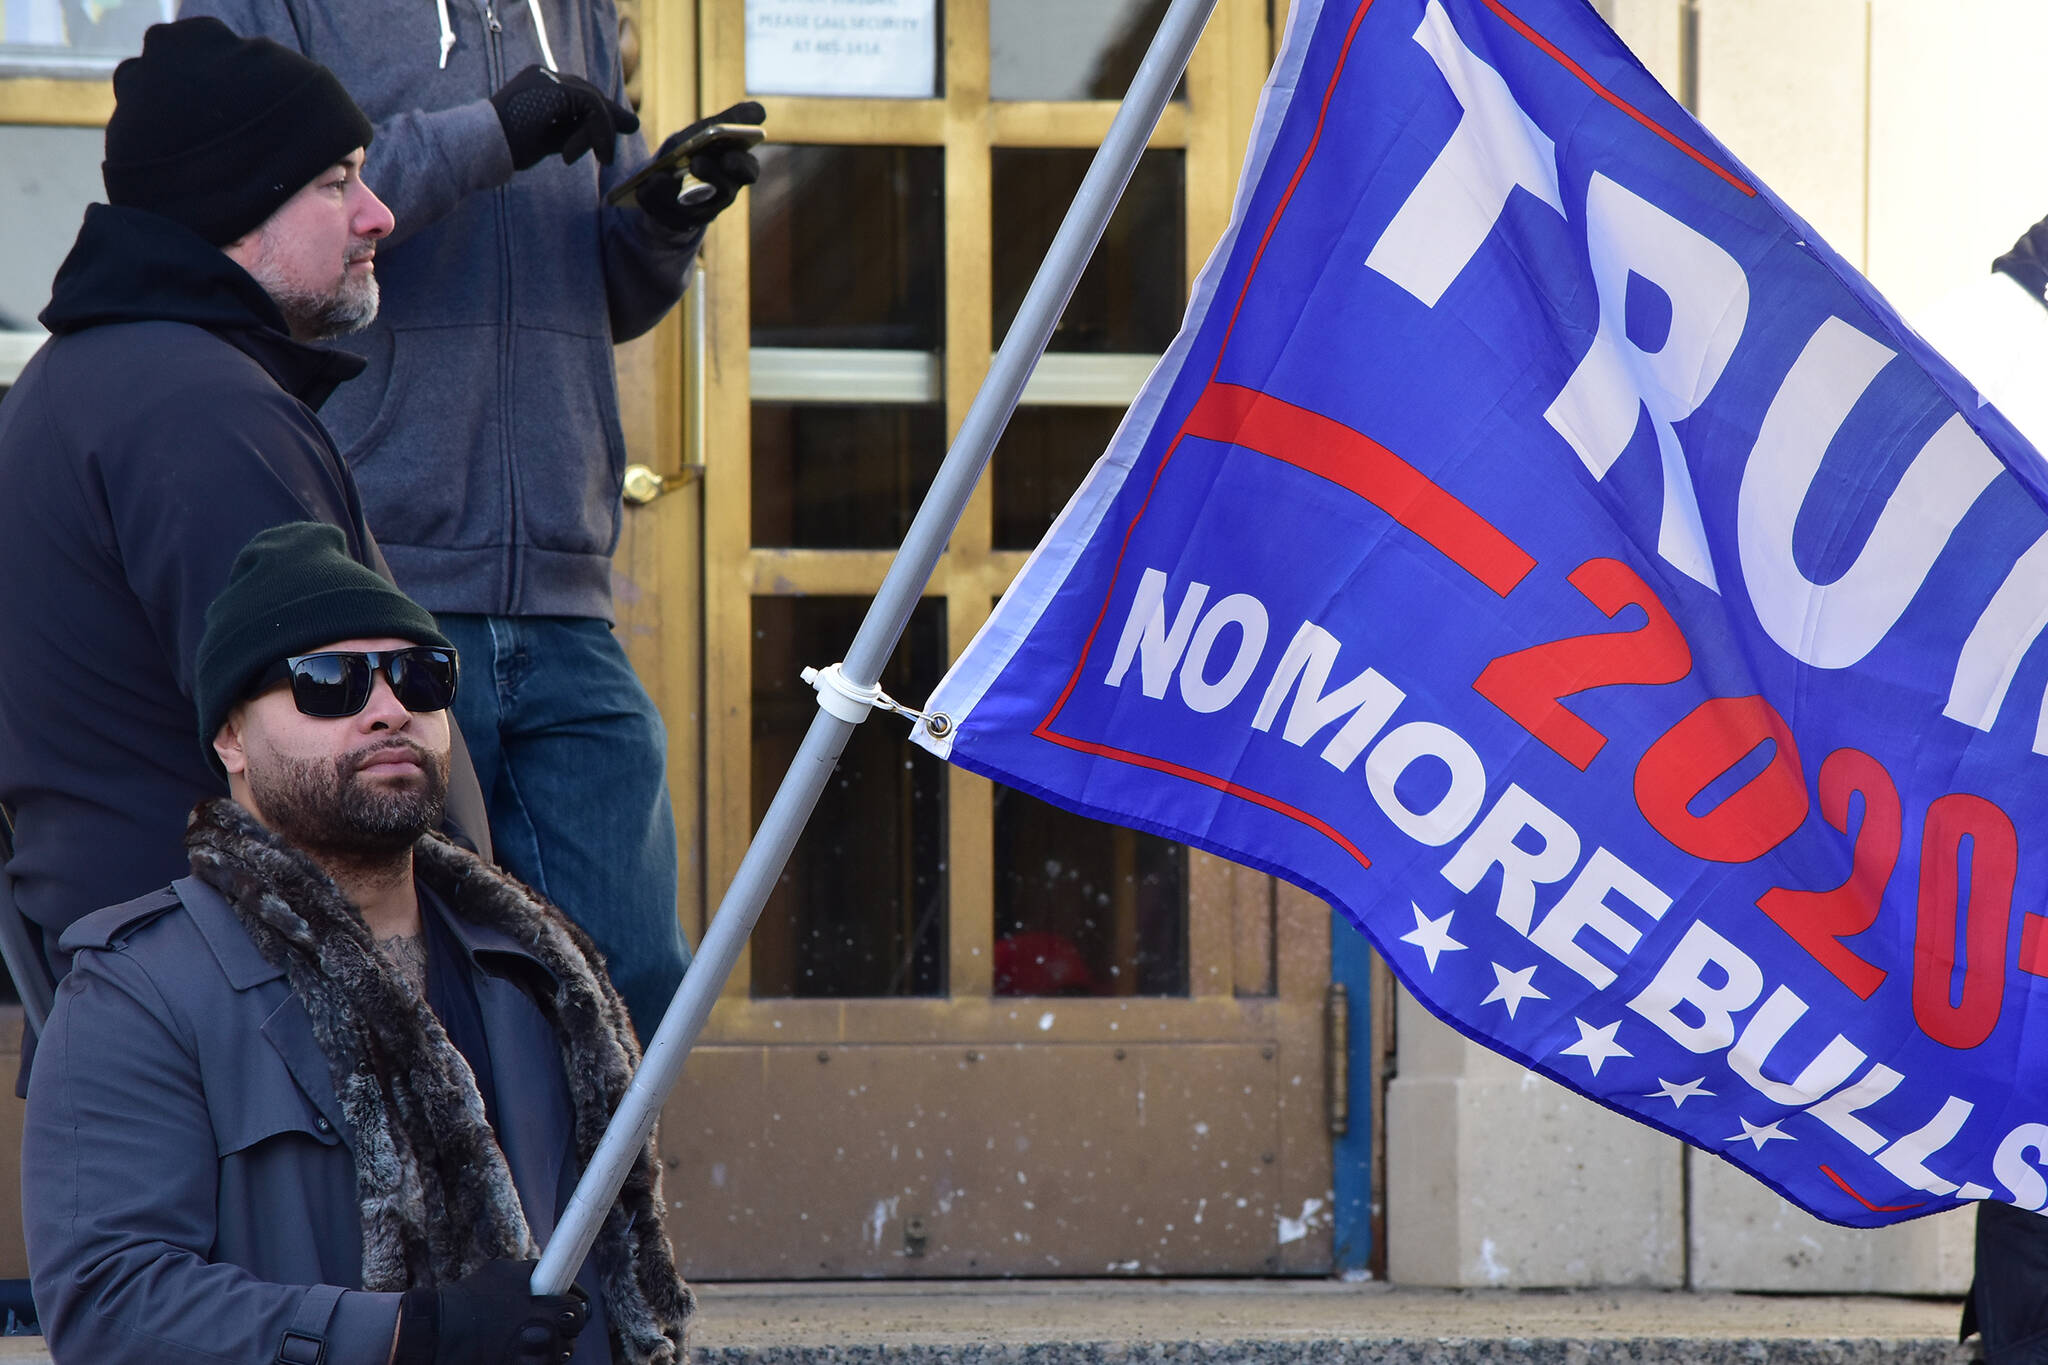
x,y
677,159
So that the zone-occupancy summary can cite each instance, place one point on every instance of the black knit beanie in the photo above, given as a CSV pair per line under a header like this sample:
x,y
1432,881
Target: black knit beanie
x,y
293,590
216,132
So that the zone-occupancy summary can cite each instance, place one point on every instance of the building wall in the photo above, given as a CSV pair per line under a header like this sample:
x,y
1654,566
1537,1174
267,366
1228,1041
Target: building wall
x,y
1904,133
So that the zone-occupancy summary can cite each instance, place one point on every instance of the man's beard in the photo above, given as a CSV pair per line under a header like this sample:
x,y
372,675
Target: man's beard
x,y
331,811
349,307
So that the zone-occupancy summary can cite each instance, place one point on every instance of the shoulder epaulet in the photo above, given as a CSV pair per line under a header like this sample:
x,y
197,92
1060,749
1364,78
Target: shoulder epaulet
x,y
102,927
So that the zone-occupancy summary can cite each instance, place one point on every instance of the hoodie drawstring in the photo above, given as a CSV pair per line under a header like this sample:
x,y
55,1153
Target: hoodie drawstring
x,y
540,30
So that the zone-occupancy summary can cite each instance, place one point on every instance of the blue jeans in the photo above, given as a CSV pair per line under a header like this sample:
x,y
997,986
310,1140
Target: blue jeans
x,y
573,757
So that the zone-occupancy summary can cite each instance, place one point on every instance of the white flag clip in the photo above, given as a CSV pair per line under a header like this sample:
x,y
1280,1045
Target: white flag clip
x,y
844,701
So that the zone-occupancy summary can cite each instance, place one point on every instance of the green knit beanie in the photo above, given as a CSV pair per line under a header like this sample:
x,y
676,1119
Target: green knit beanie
x,y
293,590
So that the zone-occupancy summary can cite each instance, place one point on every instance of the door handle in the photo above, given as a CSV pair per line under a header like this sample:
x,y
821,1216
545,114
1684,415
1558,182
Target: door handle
x,y
643,485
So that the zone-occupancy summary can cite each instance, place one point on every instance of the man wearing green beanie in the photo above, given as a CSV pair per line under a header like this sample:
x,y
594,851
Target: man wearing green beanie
x,y
172,415
318,1100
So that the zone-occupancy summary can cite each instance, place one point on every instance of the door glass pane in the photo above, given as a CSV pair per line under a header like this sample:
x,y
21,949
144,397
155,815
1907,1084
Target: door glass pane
x,y
848,247
1042,458
1134,290
1069,49
1084,908
861,908
840,476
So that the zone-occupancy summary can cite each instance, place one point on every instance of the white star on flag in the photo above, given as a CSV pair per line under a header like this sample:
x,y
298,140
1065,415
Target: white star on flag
x,y
1433,936
1759,1135
1596,1045
1678,1092
1512,988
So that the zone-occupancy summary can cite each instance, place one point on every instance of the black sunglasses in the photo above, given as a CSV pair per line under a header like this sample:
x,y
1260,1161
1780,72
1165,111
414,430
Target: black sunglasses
x,y
337,682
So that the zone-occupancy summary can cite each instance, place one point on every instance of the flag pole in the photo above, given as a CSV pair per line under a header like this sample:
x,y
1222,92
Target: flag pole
x,y
880,629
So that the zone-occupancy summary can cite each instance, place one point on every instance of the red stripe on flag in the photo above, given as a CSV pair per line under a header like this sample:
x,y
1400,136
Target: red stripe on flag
x,y
1874,1208
1160,765
1329,93
1351,460
1328,449
1552,51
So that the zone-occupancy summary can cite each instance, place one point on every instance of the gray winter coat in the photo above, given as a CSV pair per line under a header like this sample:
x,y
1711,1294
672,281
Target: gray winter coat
x,y
485,432
188,1184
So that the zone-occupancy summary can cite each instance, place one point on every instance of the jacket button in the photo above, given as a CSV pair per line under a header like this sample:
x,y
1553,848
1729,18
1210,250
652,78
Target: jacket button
x,y
323,1125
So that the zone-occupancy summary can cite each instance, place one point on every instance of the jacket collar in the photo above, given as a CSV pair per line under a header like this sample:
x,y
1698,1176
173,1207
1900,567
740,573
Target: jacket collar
x,y
482,943
240,962
246,968
129,265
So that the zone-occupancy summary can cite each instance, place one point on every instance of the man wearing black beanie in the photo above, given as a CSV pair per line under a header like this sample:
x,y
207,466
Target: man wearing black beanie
x,y
486,426
170,417
216,132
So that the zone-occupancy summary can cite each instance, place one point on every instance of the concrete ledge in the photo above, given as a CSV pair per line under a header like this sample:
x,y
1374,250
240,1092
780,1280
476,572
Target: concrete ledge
x,y
1282,1322
1302,1323
1444,1351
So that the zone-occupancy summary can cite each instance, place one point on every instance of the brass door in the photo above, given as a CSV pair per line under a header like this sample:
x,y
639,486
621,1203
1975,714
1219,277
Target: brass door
x,y
973,1035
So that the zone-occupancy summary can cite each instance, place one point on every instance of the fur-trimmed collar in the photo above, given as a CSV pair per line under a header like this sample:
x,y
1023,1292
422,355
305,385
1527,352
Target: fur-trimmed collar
x,y
435,1192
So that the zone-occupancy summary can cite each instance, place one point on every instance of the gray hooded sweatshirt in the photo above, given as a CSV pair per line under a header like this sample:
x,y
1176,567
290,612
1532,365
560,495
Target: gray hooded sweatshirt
x,y
485,431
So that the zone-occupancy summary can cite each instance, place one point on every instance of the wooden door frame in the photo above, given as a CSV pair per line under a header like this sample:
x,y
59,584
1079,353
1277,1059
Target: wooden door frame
x,y
1224,76
1258,951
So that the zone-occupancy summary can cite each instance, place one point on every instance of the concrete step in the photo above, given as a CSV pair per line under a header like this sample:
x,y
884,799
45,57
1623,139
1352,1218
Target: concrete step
x,y
1298,1322
1285,1322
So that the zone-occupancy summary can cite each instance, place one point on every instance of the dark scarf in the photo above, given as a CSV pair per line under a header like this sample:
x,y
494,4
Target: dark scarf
x,y
436,1196
2027,262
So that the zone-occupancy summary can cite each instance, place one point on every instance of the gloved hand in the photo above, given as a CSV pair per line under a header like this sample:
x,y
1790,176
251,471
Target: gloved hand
x,y
543,111
489,1317
726,168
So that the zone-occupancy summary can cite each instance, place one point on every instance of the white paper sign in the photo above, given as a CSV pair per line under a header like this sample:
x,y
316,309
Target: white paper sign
x,y
875,49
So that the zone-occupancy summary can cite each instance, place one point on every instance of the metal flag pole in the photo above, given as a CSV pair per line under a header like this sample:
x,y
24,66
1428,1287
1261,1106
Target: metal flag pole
x,y
847,691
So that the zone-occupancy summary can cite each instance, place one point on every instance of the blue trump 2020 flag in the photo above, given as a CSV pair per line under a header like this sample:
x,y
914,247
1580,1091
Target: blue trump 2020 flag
x,y
1541,545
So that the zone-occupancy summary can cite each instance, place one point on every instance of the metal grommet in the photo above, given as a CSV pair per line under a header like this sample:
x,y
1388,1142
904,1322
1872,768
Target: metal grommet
x,y
938,725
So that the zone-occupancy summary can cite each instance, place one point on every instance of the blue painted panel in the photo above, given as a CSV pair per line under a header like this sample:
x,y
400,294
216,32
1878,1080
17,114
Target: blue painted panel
x,y
1351,1155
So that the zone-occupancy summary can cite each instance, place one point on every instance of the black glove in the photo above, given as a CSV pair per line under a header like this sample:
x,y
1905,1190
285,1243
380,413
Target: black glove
x,y
543,111
489,1317
726,168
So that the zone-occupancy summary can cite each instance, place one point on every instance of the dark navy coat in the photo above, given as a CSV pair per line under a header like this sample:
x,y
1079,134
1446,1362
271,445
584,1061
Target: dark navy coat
x,y
169,418
188,1183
